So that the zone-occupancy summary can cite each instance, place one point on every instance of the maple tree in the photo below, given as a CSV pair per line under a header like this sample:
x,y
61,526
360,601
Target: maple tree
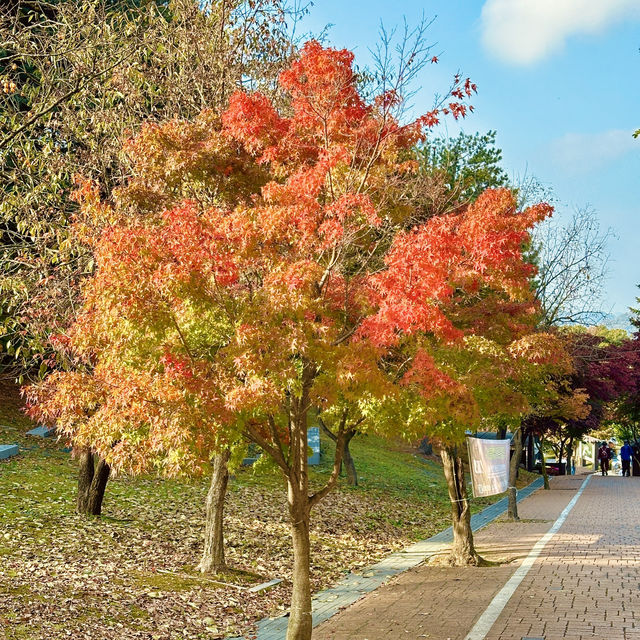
x,y
450,174
476,352
168,161
238,316
594,374
601,376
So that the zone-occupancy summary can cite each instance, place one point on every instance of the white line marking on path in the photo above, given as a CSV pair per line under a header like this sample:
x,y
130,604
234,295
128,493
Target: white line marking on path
x,y
500,600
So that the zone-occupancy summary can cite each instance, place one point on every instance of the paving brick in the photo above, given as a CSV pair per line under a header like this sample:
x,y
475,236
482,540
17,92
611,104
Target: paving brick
x,y
594,549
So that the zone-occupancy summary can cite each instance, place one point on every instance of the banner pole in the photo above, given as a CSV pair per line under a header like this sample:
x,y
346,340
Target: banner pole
x,y
473,478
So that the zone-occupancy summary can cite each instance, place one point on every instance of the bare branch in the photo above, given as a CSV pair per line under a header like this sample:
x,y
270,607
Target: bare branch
x,y
573,263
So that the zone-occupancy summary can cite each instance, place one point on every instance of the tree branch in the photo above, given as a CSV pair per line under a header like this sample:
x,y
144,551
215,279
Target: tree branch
x,y
337,463
263,443
76,89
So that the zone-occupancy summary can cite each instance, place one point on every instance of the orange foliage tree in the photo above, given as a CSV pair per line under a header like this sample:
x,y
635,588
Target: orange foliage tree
x,y
232,318
169,162
456,308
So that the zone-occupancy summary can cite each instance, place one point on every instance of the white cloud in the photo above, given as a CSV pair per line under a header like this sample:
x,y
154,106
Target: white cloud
x,y
525,31
576,153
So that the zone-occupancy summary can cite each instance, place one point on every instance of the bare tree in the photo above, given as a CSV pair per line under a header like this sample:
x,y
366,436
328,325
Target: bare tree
x,y
572,264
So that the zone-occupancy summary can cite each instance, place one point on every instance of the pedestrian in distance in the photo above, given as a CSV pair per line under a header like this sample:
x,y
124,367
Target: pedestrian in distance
x,y
626,452
603,457
613,456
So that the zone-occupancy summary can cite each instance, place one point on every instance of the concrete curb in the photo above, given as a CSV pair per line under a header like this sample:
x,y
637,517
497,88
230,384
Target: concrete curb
x,y
354,586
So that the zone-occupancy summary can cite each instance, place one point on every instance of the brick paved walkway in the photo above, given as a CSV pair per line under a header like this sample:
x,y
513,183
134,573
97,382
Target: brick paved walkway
x,y
585,584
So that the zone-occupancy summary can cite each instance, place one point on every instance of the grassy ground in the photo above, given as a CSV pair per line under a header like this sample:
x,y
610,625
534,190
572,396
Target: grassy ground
x,y
130,574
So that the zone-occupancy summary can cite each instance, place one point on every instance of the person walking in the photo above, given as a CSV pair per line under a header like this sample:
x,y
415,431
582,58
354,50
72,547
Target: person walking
x,y
626,451
612,456
603,457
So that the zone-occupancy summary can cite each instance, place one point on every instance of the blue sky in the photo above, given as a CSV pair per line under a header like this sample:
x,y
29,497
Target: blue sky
x,y
557,80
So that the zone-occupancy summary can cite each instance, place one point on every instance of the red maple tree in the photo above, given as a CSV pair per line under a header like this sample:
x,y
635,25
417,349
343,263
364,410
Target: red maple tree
x,y
240,317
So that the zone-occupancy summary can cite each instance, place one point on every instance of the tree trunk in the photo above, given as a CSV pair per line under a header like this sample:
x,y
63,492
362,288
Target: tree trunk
x,y
98,486
561,471
92,483
512,510
545,475
85,477
352,474
300,619
530,452
213,554
569,456
463,551
347,460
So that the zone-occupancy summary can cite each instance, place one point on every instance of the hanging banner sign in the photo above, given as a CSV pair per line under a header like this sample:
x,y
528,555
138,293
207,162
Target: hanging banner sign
x,y
489,462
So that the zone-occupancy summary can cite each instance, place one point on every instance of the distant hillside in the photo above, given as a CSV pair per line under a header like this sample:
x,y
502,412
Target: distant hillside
x,y
609,320
618,321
